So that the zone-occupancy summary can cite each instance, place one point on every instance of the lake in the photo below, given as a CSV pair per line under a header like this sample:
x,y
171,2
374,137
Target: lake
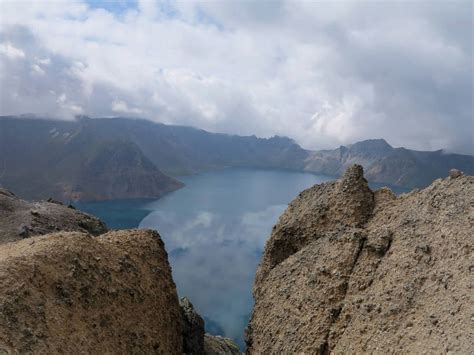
x,y
214,230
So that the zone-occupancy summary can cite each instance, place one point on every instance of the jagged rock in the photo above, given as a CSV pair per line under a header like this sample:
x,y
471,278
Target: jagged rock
x,y
455,173
21,219
347,270
327,209
71,293
217,345
193,328
194,339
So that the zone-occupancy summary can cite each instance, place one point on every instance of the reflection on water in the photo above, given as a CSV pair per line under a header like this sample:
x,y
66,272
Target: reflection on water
x,y
214,230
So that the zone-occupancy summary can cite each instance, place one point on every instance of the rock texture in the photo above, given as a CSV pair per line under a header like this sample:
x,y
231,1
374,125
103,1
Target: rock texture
x,y
349,270
72,293
193,328
217,345
194,339
21,219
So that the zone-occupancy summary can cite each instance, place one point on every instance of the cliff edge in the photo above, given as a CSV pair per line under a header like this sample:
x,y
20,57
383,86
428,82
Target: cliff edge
x,y
351,270
21,219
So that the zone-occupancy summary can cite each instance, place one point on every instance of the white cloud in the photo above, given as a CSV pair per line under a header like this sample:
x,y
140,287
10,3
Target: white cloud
x,y
322,73
11,52
122,107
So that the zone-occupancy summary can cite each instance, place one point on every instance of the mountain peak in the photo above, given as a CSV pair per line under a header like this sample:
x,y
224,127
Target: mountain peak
x,y
378,142
371,146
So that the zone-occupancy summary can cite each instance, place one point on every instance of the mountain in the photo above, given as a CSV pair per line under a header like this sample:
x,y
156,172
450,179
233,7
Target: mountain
x,y
111,158
348,270
385,164
60,159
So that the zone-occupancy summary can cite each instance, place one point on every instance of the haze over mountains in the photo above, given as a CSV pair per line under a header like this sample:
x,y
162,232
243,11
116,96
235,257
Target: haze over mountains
x,y
114,158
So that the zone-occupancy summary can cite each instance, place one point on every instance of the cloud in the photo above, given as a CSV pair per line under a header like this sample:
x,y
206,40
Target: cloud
x,y
219,282
322,73
10,51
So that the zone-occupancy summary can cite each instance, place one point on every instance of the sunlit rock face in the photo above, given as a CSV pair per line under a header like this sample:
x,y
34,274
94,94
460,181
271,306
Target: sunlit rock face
x,y
69,292
348,270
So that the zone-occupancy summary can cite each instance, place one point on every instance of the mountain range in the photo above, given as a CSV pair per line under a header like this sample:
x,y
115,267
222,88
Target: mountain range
x,y
119,158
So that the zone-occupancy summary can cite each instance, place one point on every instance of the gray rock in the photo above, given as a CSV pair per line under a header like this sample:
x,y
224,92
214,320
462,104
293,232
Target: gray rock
x,y
455,173
347,271
193,328
21,219
217,345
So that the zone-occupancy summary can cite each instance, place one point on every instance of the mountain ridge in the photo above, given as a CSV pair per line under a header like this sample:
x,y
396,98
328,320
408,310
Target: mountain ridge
x,y
57,154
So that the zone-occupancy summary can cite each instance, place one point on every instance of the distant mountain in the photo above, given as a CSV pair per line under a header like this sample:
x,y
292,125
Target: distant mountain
x,y
103,158
110,158
41,159
179,150
385,164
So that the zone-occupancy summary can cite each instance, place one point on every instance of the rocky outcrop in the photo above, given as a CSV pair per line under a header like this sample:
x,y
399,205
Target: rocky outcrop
x,y
193,328
72,293
194,339
217,345
21,219
349,270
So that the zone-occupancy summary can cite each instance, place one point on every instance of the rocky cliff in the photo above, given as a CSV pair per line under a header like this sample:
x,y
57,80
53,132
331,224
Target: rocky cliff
x,y
21,219
351,270
72,293
82,291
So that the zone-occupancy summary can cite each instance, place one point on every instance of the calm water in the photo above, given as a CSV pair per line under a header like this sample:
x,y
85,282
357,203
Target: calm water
x,y
214,230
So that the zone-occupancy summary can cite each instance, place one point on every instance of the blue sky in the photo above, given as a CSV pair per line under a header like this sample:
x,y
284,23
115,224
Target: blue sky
x,y
115,6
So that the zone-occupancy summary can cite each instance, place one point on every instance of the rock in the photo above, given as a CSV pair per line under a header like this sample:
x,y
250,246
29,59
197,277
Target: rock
x,y
194,339
217,345
193,328
346,270
455,173
22,219
329,208
70,293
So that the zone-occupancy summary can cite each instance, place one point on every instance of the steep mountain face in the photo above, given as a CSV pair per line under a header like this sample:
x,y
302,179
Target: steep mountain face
x,y
350,270
20,219
385,164
41,159
181,150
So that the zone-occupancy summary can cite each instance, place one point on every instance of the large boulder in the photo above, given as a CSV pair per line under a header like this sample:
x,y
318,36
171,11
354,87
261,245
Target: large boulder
x,y
72,293
348,270
21,219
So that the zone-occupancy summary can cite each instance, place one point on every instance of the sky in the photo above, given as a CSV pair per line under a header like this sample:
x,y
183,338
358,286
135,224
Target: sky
x,y
322,73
